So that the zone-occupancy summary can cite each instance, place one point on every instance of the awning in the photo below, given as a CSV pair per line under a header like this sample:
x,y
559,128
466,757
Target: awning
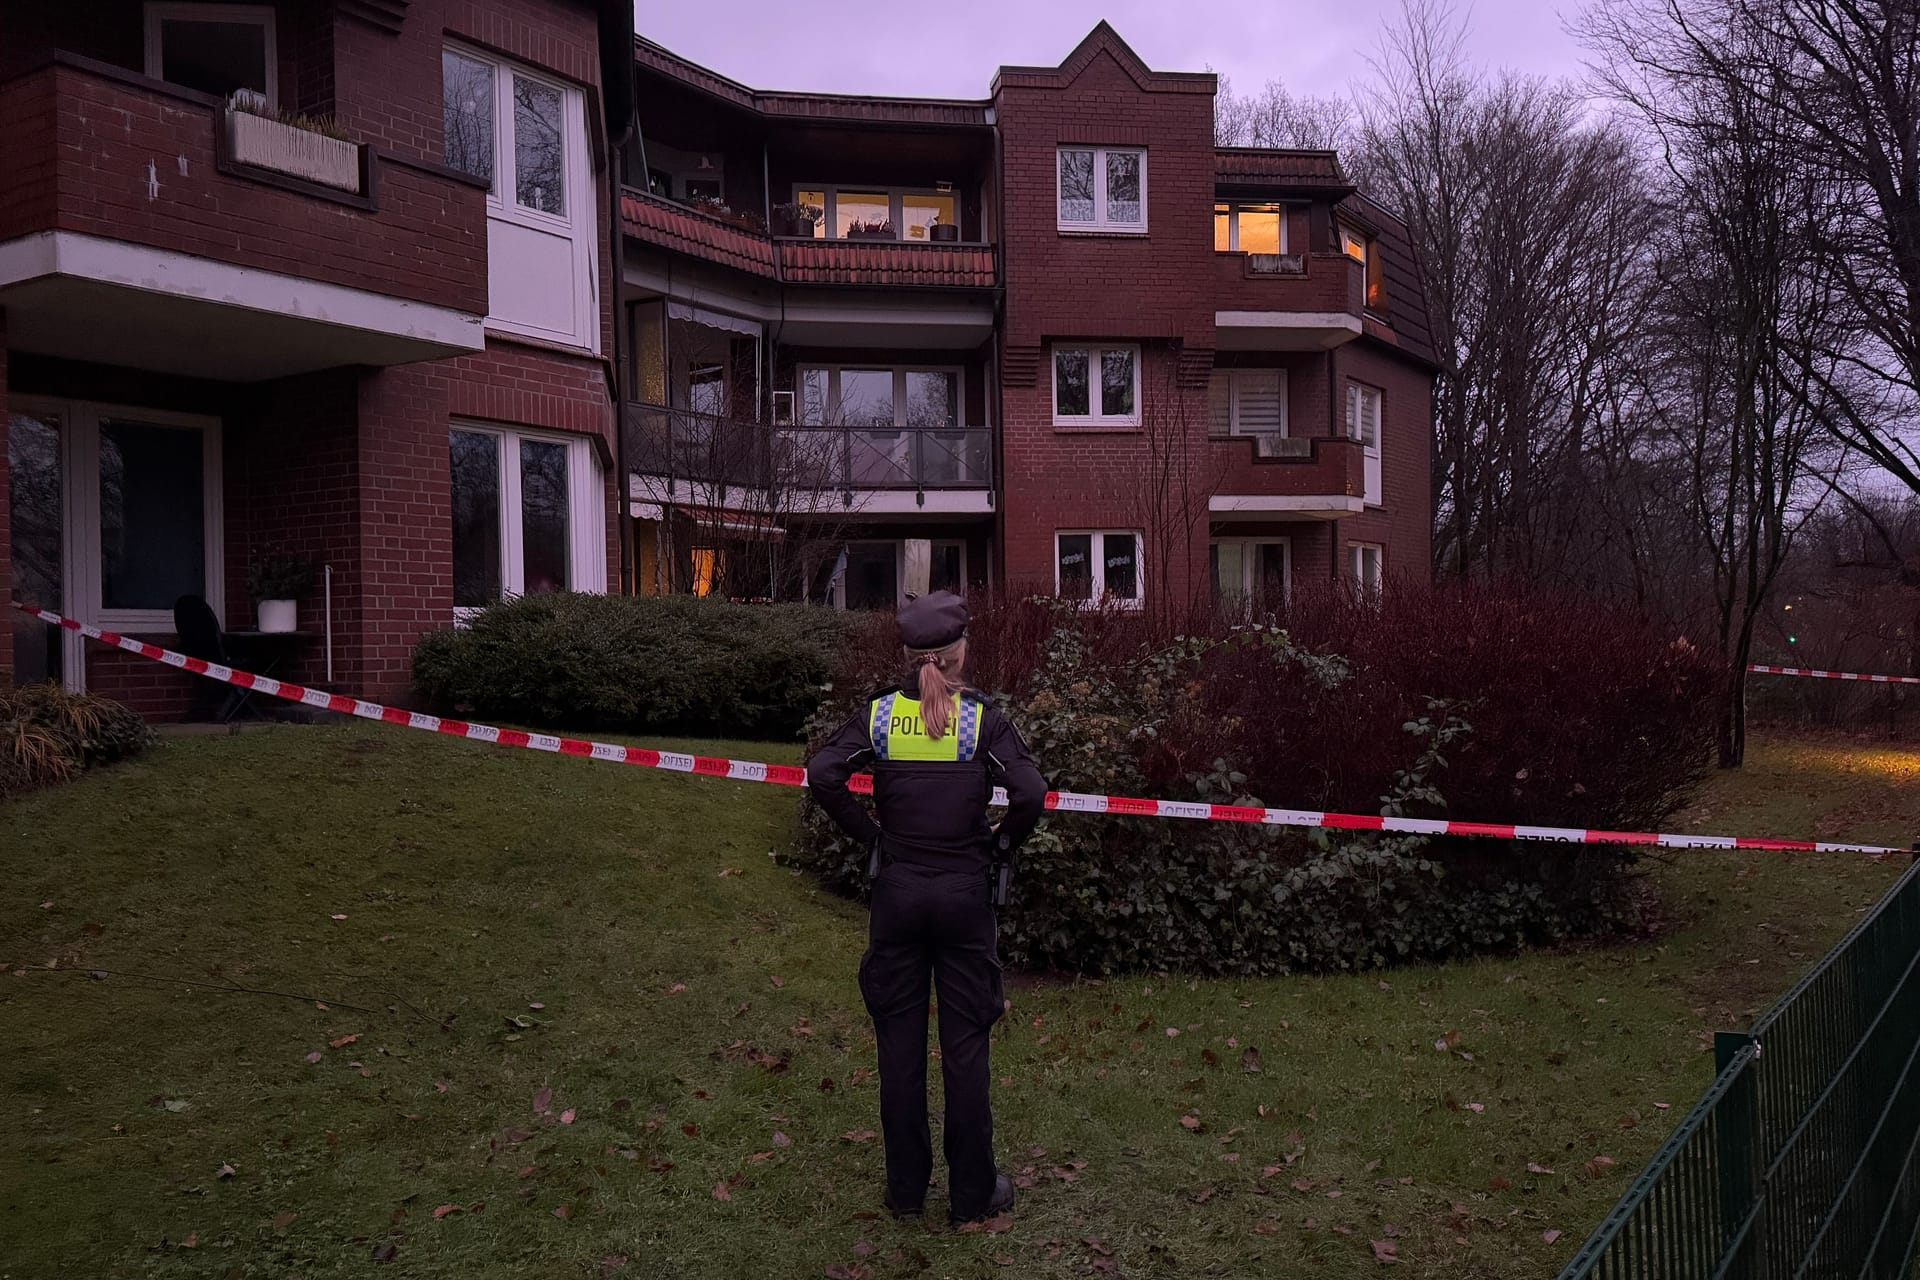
x,y
713,319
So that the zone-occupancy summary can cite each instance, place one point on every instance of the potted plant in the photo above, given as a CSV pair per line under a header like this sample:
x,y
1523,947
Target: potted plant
x,y
880,229
277,583
314,148
793,220
945,232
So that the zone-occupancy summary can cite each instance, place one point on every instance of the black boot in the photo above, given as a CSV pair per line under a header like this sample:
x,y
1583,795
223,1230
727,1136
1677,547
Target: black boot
x,y
1000,1203
904,1213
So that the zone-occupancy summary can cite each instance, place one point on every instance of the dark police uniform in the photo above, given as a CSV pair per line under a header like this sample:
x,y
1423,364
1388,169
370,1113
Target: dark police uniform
x,y
933,914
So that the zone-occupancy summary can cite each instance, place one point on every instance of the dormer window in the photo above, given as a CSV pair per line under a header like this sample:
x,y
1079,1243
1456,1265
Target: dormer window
x,y
1366,251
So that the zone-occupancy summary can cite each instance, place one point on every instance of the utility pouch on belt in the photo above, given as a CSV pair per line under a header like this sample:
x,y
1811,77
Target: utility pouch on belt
x,y
1002,875
873,862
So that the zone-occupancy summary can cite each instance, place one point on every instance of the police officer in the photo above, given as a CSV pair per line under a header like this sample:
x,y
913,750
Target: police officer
x,y
936,749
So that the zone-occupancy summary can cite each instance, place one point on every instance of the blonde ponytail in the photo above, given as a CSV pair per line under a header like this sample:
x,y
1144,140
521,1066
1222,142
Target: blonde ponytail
x,y
939,679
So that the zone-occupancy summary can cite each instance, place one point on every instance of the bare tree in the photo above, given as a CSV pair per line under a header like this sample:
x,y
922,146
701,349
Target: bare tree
x,y
1275,117
1746,307
1171,498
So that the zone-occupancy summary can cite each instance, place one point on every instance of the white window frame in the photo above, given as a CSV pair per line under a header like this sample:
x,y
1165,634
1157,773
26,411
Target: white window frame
x,y
586,510
1097,593
1234,208
580,225
896,204
260,15
1247,562
1234,378
1355,244
1357,553
899,372
1094,353
1361,397
80,516
1100,223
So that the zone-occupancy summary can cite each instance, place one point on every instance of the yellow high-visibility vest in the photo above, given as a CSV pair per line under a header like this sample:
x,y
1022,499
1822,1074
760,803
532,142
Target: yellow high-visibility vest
x,y
899,732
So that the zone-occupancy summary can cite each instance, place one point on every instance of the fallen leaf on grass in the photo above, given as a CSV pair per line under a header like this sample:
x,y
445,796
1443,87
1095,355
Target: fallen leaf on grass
x,y
760,1157
1537,1168
855,1272
1386,1252
996,1225
1172,1032
1598,1166
192,1240
1477,1108
526,1171
564,1212
1303,1184
729,871
281,1221
782,1140
691,1129
339,917
1549,1236
1250,1062
225,1171
176,1105
1498,1183
1265,1229
1190,1123
386,1252
1663,1106
720,1191
858,1135
677,989
439,1086
863,1248
542,1101
343,1041
777,980
567,1116
446,1209
618,1262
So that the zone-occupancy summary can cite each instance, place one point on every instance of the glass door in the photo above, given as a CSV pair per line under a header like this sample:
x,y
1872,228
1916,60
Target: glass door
x,y
37,523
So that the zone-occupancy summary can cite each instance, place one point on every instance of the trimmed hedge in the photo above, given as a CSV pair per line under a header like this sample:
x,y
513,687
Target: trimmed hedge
x,y
654,664
1478,704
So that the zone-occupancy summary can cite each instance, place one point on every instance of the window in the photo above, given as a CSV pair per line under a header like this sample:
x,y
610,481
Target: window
x,y
526,516
1249,228
1368,561
1251,570
121,511
908,213
1096,386
214,48
1364,250
906,424
1247,402
37,520
525,135
1102,189
1098,566
1363,424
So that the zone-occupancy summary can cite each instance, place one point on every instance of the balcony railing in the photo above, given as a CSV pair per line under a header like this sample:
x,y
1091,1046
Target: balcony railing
x,y
715,449
735,242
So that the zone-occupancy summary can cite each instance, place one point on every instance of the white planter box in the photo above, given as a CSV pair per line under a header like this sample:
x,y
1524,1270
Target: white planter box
x,y
313,157
279,615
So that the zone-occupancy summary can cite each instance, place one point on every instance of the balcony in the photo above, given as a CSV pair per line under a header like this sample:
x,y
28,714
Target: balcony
x,y
678,455
736,242
222,251
1287,477
1287,302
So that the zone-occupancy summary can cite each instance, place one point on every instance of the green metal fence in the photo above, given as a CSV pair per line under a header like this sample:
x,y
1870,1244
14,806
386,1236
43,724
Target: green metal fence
x,y
1801,1160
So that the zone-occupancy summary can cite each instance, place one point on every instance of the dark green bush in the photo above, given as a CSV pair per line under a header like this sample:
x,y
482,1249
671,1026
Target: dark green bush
x,y
660,664
48,735
1104,894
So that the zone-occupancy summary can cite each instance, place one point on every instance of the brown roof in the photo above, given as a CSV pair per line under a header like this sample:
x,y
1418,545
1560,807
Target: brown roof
x,y
811,106
1104,39
1406,285
675,226
1276,168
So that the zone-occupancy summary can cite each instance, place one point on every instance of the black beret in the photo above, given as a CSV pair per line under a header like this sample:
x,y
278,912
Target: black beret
x,y
932,621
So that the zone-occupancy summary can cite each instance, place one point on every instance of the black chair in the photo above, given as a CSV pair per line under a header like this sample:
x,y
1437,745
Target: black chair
x,y
200,637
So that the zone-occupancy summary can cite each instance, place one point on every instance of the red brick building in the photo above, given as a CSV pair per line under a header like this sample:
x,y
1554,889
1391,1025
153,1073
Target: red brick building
x,y
1051,339
330,280
394,288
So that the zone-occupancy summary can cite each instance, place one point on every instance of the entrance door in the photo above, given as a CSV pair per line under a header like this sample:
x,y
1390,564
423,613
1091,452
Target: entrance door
x,y
873,575
37,524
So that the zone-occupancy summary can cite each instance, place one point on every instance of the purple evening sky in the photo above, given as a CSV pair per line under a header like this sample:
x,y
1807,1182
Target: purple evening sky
x,y
853,46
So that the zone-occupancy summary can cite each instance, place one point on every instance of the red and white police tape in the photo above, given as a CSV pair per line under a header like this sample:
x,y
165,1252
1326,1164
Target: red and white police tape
x,y
787,775
1760,669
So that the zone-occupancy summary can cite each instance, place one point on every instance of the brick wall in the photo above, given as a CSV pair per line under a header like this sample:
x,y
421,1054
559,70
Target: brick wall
x,y
405,553
1403,522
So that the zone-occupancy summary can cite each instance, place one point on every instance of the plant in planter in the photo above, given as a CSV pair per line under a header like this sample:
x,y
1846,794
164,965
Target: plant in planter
x,y
714,206
880,229
945,232
313,148
794,219
277,583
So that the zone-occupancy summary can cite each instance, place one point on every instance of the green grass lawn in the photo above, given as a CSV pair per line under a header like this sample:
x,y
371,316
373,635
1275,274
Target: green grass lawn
x,y
483,929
